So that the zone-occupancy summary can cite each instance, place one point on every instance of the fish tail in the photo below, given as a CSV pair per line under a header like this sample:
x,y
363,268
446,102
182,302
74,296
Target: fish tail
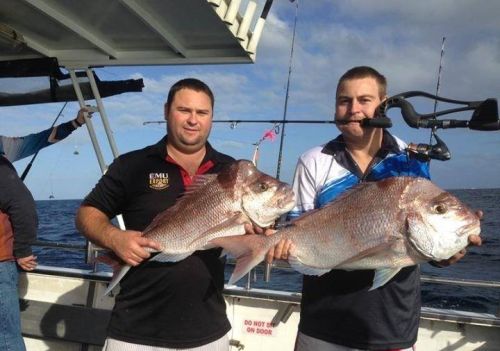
x,y
249,250
117,276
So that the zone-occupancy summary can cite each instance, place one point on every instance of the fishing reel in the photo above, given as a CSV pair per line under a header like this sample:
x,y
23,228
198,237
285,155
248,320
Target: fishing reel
x,y
484,118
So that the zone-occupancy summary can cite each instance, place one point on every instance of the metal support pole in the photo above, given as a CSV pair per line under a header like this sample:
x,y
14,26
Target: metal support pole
x,y
102,112
106,125
91,248
88,122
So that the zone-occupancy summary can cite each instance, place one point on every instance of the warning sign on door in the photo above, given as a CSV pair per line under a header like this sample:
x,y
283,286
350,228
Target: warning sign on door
x,y
252,326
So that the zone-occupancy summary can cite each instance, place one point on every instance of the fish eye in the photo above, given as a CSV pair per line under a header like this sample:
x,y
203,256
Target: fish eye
x,y
263,186
440,208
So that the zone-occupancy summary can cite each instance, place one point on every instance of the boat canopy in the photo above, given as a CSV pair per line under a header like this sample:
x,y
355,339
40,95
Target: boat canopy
x,y
87,34
37,81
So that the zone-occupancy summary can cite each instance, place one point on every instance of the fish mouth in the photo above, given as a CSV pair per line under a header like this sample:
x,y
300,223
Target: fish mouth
x,y
471,229
287,200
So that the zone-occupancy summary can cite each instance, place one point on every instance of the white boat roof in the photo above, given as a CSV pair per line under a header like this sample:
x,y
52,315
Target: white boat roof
x,y
94,33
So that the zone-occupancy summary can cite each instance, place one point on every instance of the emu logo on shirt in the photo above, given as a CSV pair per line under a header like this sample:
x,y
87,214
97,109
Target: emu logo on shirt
x,y
158,181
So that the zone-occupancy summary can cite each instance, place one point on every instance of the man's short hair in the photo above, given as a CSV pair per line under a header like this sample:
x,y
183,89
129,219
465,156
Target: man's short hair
x,y
361,72
189,83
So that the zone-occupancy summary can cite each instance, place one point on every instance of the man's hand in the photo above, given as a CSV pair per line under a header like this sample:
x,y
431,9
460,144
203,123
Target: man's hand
x,y
280,251
253,229
27,263
131,246
80,117
474,240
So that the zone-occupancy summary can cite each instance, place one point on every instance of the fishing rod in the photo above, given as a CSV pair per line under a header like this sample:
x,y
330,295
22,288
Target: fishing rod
x,y
234,122
267,271
28,167
285,109
484,118
380,122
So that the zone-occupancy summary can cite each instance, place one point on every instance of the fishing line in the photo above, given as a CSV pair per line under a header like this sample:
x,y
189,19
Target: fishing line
x,y
438,84
51,174
28,167
439,75
432,134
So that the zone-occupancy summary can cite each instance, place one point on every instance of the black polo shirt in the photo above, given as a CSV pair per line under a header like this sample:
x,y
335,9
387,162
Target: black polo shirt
x,y
175,305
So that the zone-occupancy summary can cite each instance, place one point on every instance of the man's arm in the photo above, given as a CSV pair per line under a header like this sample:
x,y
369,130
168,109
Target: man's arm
x,y
304,189
129,245
16,148
17,201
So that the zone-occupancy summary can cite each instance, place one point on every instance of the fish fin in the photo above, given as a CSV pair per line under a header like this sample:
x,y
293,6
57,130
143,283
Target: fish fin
x,y
249,250
382,276
117,276
366,253
198,182
233,226
297,264
163,257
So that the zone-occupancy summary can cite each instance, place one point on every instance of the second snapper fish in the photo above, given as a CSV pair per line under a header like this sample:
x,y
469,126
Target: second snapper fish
x,y
384,225
216,205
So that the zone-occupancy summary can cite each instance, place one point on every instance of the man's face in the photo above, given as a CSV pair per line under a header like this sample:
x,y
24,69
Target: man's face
x,y
189,120
356,99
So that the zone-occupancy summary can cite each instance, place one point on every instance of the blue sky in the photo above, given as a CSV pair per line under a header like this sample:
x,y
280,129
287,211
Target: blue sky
x,y
401,39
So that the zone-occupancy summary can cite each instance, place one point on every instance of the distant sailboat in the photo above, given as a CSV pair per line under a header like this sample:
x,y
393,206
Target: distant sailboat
x,y
51,196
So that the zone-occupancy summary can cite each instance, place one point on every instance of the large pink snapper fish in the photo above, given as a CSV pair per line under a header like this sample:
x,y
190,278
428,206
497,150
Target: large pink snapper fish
x,y
384,225
216,205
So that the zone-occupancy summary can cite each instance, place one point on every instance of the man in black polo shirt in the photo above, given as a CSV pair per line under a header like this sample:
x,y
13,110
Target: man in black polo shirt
x,y
165,305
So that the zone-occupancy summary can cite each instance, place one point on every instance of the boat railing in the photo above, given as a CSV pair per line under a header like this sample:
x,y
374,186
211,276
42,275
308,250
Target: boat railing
x,y
282,265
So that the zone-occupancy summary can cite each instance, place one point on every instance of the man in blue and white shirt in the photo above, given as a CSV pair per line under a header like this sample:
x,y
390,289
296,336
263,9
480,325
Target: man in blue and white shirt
x,y
338,311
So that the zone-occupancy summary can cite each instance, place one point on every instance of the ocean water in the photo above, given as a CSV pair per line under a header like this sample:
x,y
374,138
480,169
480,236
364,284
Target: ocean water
x,y
56,219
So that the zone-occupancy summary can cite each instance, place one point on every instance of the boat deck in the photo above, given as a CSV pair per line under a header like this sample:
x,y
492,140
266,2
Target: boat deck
x,y
64,308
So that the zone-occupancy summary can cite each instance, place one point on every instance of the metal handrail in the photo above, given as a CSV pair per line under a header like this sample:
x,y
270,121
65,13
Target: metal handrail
x,y
424,278
283,265
55,244
461,282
